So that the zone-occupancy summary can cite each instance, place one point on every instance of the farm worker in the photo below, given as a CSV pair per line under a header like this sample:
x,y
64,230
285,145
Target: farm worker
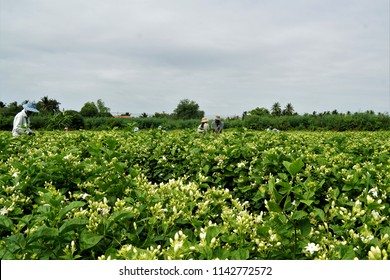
x,y
160,127
217,125
204,126
22,120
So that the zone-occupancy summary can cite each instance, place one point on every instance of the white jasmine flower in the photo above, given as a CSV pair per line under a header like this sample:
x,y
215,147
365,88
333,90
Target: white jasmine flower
x,y
311,248
294,203
177,246
4,211
245,203
374,192
370,199
105,211
376,215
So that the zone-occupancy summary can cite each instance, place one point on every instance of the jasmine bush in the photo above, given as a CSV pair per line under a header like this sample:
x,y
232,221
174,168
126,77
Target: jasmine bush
x,y
180,195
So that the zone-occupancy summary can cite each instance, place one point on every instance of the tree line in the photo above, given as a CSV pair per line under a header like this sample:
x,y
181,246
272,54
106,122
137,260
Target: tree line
x,y
95,115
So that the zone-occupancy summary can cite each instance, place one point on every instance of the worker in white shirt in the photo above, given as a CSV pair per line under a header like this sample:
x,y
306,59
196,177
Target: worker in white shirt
x,y
22,120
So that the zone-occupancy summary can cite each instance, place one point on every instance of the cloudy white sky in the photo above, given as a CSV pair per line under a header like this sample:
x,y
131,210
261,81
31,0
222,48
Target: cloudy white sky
x,y
229,56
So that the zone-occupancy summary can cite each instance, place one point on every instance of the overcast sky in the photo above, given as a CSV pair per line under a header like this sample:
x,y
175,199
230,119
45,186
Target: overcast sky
x,y
229,56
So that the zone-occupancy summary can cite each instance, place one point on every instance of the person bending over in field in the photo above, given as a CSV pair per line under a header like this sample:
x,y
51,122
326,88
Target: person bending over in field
x,y
217,125
22,120
204,126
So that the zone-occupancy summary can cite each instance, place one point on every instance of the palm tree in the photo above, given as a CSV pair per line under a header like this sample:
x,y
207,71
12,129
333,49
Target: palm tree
x,y
48,105
276,109
259,111
288,110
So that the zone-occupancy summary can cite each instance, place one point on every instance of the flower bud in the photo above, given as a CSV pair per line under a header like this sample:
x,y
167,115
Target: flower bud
x,y
375,253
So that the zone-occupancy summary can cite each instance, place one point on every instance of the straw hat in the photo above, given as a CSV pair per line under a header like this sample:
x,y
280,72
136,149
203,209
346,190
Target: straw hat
x,y
218,118
204,119
31,106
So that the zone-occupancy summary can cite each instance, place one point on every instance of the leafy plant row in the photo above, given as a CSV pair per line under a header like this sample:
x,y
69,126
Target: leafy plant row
x,y
181,195
321,122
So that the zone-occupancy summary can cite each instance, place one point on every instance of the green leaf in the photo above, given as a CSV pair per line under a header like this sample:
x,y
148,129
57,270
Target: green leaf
x,y
111,143
307,202
274,193
285,188
212,232
228,238
6,222
319,213
221,253
385,230
240,254
89,239
119,215
347,253
305,226
336,193
337,230
245,188
293,167
297,215
274,207
43,233
72,225
15,242
69,207
287,204
133,172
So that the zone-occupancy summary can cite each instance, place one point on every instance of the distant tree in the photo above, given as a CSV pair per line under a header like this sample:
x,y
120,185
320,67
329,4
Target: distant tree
x,y
335,112
74,118
187,109
288,110
143,115
259,112
12,109
162,115
103,110
276,109
3,109
89,110
47,105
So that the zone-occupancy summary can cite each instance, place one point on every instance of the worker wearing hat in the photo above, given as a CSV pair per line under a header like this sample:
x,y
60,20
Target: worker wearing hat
x,y
204,126
22,120
217,125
